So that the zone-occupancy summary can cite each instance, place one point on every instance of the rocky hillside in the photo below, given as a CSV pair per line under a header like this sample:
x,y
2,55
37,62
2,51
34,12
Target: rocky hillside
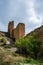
x,y
6,38
39,32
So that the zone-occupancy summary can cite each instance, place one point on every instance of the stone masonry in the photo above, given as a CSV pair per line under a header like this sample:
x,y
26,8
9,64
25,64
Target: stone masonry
x,y
10,28
16,33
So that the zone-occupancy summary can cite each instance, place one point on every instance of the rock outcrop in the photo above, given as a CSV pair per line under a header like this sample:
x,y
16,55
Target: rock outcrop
x,y
39,32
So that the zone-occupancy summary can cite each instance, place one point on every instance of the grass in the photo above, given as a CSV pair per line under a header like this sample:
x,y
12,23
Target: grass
x,y
31,61
14,54
5,63
7,46
8,54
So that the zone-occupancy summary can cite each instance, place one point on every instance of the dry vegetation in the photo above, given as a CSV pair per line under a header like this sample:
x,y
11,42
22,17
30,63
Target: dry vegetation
x,y
9,55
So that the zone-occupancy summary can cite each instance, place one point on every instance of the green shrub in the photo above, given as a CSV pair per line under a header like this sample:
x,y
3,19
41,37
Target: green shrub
x,y
7,46
2,40
27,60
30,45
14,54
21,45
17,63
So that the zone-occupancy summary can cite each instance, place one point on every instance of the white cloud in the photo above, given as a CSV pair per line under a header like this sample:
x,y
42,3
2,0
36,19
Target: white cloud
x,y
32,17
21,11
31,12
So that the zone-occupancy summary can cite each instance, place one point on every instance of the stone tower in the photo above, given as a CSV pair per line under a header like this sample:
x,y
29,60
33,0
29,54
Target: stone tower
x,y
16,33
19,31
10,28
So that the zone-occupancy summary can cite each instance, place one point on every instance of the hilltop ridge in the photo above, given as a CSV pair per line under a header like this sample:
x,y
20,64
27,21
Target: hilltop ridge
x,y
39,32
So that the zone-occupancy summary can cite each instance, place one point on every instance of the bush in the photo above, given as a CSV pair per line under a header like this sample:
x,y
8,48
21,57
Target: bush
x,y
7,46
2,40
30,45
14,54
21,44
17,63
27,60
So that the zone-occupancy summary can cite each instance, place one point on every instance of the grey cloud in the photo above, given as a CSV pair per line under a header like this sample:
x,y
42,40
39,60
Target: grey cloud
x,y
16,10
38,5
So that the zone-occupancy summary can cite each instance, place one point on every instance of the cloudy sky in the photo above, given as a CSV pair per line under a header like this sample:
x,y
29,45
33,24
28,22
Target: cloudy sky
x,y
29,12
